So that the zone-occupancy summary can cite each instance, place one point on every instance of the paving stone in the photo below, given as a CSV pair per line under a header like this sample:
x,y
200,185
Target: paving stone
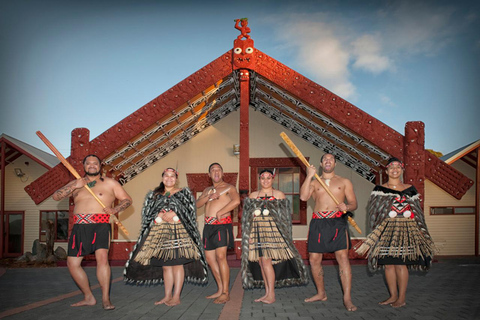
x,y
449,290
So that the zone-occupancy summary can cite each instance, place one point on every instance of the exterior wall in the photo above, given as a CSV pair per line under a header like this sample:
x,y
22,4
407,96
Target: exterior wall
x,y
265,141
212,145
16,199
453,234
215,145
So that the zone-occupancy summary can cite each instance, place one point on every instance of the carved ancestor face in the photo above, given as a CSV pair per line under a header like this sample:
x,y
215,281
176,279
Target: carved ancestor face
x,y
243,54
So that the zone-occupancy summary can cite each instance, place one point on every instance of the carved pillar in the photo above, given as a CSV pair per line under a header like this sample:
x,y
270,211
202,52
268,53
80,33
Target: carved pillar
x,y
243,60
243,183
414,156
78,150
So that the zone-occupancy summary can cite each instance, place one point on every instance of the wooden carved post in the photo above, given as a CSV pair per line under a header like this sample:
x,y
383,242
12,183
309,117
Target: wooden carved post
x,y
414,156
50,237
78,150
243,61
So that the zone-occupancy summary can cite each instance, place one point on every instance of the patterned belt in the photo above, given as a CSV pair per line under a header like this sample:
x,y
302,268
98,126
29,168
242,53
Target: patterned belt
x,y
327,214
213,220
89,218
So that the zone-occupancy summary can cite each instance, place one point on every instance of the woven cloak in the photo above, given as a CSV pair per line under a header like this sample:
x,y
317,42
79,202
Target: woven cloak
x,y
183,204
291,272
409,231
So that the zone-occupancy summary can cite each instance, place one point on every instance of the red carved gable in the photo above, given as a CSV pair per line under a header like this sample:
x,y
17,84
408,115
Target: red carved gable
x,y
132,125
175,108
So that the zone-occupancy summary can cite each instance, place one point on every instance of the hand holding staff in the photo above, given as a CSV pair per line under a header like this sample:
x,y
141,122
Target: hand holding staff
x,y
305,162
76,175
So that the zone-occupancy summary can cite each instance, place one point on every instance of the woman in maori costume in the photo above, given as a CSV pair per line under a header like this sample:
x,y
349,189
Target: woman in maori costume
x,y
400,239
169,248
269,257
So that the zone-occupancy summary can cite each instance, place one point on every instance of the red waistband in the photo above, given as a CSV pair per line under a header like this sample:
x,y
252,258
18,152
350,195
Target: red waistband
x,y
213,220
327,214
89,218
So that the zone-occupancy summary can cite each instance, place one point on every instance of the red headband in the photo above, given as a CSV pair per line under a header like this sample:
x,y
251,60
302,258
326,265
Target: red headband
x,y
273,176
401,164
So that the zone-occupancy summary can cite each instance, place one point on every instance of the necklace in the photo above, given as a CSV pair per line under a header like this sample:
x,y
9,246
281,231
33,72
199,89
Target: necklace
x,y
266,194
327,181
394,186
92,184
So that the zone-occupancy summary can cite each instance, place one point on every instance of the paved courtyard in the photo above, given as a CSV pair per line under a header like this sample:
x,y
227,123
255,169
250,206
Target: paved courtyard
x,y
451,290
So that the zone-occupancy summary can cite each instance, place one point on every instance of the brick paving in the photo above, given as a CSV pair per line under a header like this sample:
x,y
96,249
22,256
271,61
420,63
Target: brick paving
x,y
451,290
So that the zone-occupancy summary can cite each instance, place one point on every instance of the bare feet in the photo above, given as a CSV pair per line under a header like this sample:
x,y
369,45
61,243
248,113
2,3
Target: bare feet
x,y
260,299
388,301
269,300
398,304
173,302
349,305
107,305
90,301
317,297
214,296
162,301
224,298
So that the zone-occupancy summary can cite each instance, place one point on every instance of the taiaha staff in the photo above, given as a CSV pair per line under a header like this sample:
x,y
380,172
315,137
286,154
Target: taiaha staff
x,y
299,154
76,175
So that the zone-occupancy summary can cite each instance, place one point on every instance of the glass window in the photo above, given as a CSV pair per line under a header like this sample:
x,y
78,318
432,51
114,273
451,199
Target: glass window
x,y
451,210
60,222
287,180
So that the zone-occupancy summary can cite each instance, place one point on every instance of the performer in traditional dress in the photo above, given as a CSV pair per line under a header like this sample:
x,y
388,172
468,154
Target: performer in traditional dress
x,y
269,257
219,200
91,229
400,239
328,231
169,249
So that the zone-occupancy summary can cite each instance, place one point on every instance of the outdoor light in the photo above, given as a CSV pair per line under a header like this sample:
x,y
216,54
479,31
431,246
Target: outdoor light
x,y
19,172
236,149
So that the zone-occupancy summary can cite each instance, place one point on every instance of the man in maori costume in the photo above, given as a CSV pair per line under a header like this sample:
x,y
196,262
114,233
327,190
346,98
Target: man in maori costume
x,y
269,257
400,239
219,201
91,230
328,230
169,249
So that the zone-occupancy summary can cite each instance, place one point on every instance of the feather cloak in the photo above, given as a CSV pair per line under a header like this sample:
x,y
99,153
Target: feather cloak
x,y
378,207
183,204
291,272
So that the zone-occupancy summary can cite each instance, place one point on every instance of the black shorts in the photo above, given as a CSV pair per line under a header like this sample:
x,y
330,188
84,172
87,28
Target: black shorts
x,y
87,238
328,235
217,236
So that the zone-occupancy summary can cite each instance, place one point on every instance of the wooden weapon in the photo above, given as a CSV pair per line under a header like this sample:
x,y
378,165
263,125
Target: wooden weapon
x,y
76,175
305,162
215,191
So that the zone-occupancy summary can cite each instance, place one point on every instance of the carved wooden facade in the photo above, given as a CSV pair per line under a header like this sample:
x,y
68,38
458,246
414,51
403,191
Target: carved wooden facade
x,y
244,78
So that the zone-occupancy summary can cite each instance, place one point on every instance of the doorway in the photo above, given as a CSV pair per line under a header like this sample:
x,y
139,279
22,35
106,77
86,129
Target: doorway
x,y
13,233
